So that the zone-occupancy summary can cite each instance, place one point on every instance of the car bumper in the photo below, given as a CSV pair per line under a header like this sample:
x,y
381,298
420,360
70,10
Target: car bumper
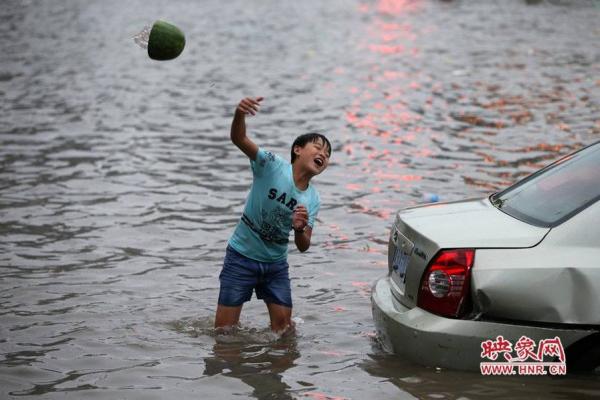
x,y
432,340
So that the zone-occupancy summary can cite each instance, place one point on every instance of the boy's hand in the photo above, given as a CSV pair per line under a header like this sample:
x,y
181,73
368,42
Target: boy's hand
x,y
299,218
249,105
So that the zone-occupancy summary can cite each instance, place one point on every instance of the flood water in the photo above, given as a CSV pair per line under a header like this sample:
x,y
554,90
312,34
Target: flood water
x,y
119,186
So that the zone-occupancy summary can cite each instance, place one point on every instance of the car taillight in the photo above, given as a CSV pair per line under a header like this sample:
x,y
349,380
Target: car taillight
x,y
445,284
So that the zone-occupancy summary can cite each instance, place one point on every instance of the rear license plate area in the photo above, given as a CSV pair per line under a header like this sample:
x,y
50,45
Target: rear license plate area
x,y
402,254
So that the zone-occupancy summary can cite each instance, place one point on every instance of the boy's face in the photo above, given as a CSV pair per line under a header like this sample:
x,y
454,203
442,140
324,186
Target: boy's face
x,y
314,156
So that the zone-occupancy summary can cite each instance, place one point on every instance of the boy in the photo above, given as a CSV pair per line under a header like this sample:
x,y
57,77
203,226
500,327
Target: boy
x,y
281,199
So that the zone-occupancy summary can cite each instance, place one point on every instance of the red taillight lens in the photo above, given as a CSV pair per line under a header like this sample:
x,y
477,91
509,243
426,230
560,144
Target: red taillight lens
x,y
445,283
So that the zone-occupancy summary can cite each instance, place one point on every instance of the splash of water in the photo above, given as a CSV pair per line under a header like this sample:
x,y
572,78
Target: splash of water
x,y
142,38
197,327
246,335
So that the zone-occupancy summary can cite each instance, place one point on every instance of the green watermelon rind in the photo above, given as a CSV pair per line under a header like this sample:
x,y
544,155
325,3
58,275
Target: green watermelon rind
x,y
166,41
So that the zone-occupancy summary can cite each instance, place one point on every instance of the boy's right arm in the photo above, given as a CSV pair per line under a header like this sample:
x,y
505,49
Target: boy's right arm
x,y
249,105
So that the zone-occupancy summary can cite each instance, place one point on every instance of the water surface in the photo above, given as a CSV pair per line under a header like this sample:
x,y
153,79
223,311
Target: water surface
x,y
119,187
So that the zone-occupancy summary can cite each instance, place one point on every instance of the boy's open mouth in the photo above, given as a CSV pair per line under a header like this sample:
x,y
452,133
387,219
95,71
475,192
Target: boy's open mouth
x,y
319,162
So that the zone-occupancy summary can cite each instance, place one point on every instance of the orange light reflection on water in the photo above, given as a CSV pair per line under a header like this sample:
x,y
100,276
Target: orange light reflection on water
x,y
397,7
354,186
338,240
323,396
386,126
364,289
378,108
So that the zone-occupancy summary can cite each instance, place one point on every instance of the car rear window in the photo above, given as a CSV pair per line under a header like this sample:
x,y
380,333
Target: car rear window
x,y
556,193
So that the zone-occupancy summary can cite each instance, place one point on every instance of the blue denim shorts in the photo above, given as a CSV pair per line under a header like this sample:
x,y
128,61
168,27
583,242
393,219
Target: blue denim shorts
x,y
241,276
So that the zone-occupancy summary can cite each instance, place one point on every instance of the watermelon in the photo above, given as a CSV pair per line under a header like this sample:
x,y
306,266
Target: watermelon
x,y
166,41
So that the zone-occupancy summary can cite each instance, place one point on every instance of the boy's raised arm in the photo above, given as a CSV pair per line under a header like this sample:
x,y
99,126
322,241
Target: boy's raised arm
x,y
249,105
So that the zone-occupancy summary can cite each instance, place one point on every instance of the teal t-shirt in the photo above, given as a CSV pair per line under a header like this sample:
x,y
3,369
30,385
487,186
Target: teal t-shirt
x,y
264,229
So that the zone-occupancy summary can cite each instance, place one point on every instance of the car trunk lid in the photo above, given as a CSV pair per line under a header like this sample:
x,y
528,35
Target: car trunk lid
x,y
420,232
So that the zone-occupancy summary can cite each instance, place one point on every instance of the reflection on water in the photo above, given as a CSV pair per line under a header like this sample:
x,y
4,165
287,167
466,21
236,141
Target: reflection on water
x,y
119,186
256,357
257,365
446,384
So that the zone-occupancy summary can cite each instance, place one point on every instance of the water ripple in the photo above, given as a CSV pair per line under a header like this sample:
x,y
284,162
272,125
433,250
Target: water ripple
x,y
119,186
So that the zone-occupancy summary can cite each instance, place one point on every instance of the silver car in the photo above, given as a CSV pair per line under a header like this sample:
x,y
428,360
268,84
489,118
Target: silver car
x,y
522,266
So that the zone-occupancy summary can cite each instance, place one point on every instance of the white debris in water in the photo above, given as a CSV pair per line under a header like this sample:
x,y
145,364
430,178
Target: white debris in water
x,y
411,379
298,320
141,39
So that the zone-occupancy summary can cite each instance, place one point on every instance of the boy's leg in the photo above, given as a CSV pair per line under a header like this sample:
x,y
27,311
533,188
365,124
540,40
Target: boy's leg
x,y
227,316
237,279
275,290
281,317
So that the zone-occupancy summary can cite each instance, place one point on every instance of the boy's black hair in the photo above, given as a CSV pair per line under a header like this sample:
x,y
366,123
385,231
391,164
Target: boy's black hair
x,y
313,137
